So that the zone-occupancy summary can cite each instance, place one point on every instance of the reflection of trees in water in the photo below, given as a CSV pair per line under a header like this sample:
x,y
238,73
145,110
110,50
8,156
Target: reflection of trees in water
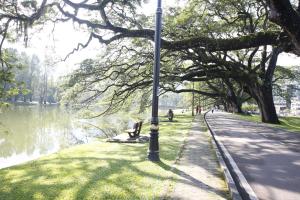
x,y
109,126
33,128
106,131
40,129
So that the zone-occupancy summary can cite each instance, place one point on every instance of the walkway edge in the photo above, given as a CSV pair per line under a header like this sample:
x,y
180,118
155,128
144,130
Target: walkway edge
x,y
238,186
166,192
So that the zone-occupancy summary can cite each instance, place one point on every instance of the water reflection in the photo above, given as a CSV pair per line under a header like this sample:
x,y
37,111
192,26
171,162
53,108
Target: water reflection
x,y
27,132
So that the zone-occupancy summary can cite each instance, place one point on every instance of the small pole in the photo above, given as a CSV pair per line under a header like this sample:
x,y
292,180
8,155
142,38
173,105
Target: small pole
x,y
199,100
153,152
193,101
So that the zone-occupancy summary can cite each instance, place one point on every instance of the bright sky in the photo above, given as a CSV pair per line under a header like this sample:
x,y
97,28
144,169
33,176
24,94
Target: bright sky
x,y
286,59
65,38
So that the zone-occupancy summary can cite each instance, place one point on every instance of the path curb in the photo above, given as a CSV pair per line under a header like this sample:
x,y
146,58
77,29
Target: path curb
x,y
238,186
166,192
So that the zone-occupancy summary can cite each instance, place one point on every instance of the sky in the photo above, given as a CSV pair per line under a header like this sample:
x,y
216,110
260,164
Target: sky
x,y
65,38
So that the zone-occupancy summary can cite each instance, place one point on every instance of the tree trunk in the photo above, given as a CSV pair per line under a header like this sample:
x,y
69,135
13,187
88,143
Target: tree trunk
x,y
264,98
236,107
41,100
233,106
225,106
283,14
233,101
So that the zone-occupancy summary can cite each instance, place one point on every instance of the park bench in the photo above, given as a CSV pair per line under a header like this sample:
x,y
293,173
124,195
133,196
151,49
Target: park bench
x,y
135,131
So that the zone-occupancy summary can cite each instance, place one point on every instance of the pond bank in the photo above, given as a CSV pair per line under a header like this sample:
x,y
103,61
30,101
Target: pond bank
x,y
99,170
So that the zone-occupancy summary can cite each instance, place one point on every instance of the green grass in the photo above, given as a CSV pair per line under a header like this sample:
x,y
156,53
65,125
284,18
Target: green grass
x,y
287,123
99,170
252,118
290,123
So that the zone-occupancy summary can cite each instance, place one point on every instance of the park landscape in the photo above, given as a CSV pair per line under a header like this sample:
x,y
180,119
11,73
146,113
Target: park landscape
x,y
75,75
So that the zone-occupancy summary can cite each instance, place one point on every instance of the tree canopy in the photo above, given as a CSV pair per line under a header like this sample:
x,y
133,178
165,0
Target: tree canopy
x,y
111,20
233,44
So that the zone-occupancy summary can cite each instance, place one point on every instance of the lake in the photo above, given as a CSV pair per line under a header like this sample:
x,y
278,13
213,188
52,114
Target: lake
x,y
29,132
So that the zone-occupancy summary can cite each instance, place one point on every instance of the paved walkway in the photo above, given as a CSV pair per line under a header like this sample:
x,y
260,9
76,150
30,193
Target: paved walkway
x,y
268,157
200,176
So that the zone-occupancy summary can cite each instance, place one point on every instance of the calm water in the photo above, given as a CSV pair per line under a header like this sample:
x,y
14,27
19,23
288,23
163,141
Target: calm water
x,y
28,132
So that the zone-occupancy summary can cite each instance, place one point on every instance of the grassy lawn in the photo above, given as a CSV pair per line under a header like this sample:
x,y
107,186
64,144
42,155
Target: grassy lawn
x,y
288,123
99,170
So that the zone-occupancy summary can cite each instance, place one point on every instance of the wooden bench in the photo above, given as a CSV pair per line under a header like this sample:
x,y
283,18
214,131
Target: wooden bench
x,y
135,131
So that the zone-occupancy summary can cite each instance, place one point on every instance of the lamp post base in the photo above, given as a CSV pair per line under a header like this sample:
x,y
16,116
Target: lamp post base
x,y
153,156
153,152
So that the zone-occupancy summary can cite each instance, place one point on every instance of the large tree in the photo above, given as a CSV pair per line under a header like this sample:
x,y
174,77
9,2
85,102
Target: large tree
x,y
202,40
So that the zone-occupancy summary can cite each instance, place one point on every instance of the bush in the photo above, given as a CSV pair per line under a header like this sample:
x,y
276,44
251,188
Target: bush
x,y
250,108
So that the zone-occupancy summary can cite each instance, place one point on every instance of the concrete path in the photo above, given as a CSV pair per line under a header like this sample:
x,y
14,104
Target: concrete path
x,y
199,176
268,157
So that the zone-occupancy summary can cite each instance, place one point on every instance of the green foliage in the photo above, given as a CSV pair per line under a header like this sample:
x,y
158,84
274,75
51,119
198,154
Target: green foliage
x,y
284,75
23,78
13,92
119,79
3,105
29,4
8,84
249,107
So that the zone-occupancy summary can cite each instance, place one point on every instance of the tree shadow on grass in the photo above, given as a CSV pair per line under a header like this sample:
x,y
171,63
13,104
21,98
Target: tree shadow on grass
x,y
83,183
86,178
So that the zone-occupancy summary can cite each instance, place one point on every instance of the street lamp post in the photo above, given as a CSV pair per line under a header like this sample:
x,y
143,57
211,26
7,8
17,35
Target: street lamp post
x,y
153,152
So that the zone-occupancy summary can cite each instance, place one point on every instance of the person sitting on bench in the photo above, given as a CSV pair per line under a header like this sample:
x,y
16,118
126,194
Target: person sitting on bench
x,y
170,115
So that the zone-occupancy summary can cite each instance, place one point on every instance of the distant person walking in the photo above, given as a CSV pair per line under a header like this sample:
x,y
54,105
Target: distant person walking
x,y
198,109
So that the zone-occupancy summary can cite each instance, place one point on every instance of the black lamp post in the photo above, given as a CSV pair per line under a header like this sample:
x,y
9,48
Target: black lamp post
x,y
153,152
